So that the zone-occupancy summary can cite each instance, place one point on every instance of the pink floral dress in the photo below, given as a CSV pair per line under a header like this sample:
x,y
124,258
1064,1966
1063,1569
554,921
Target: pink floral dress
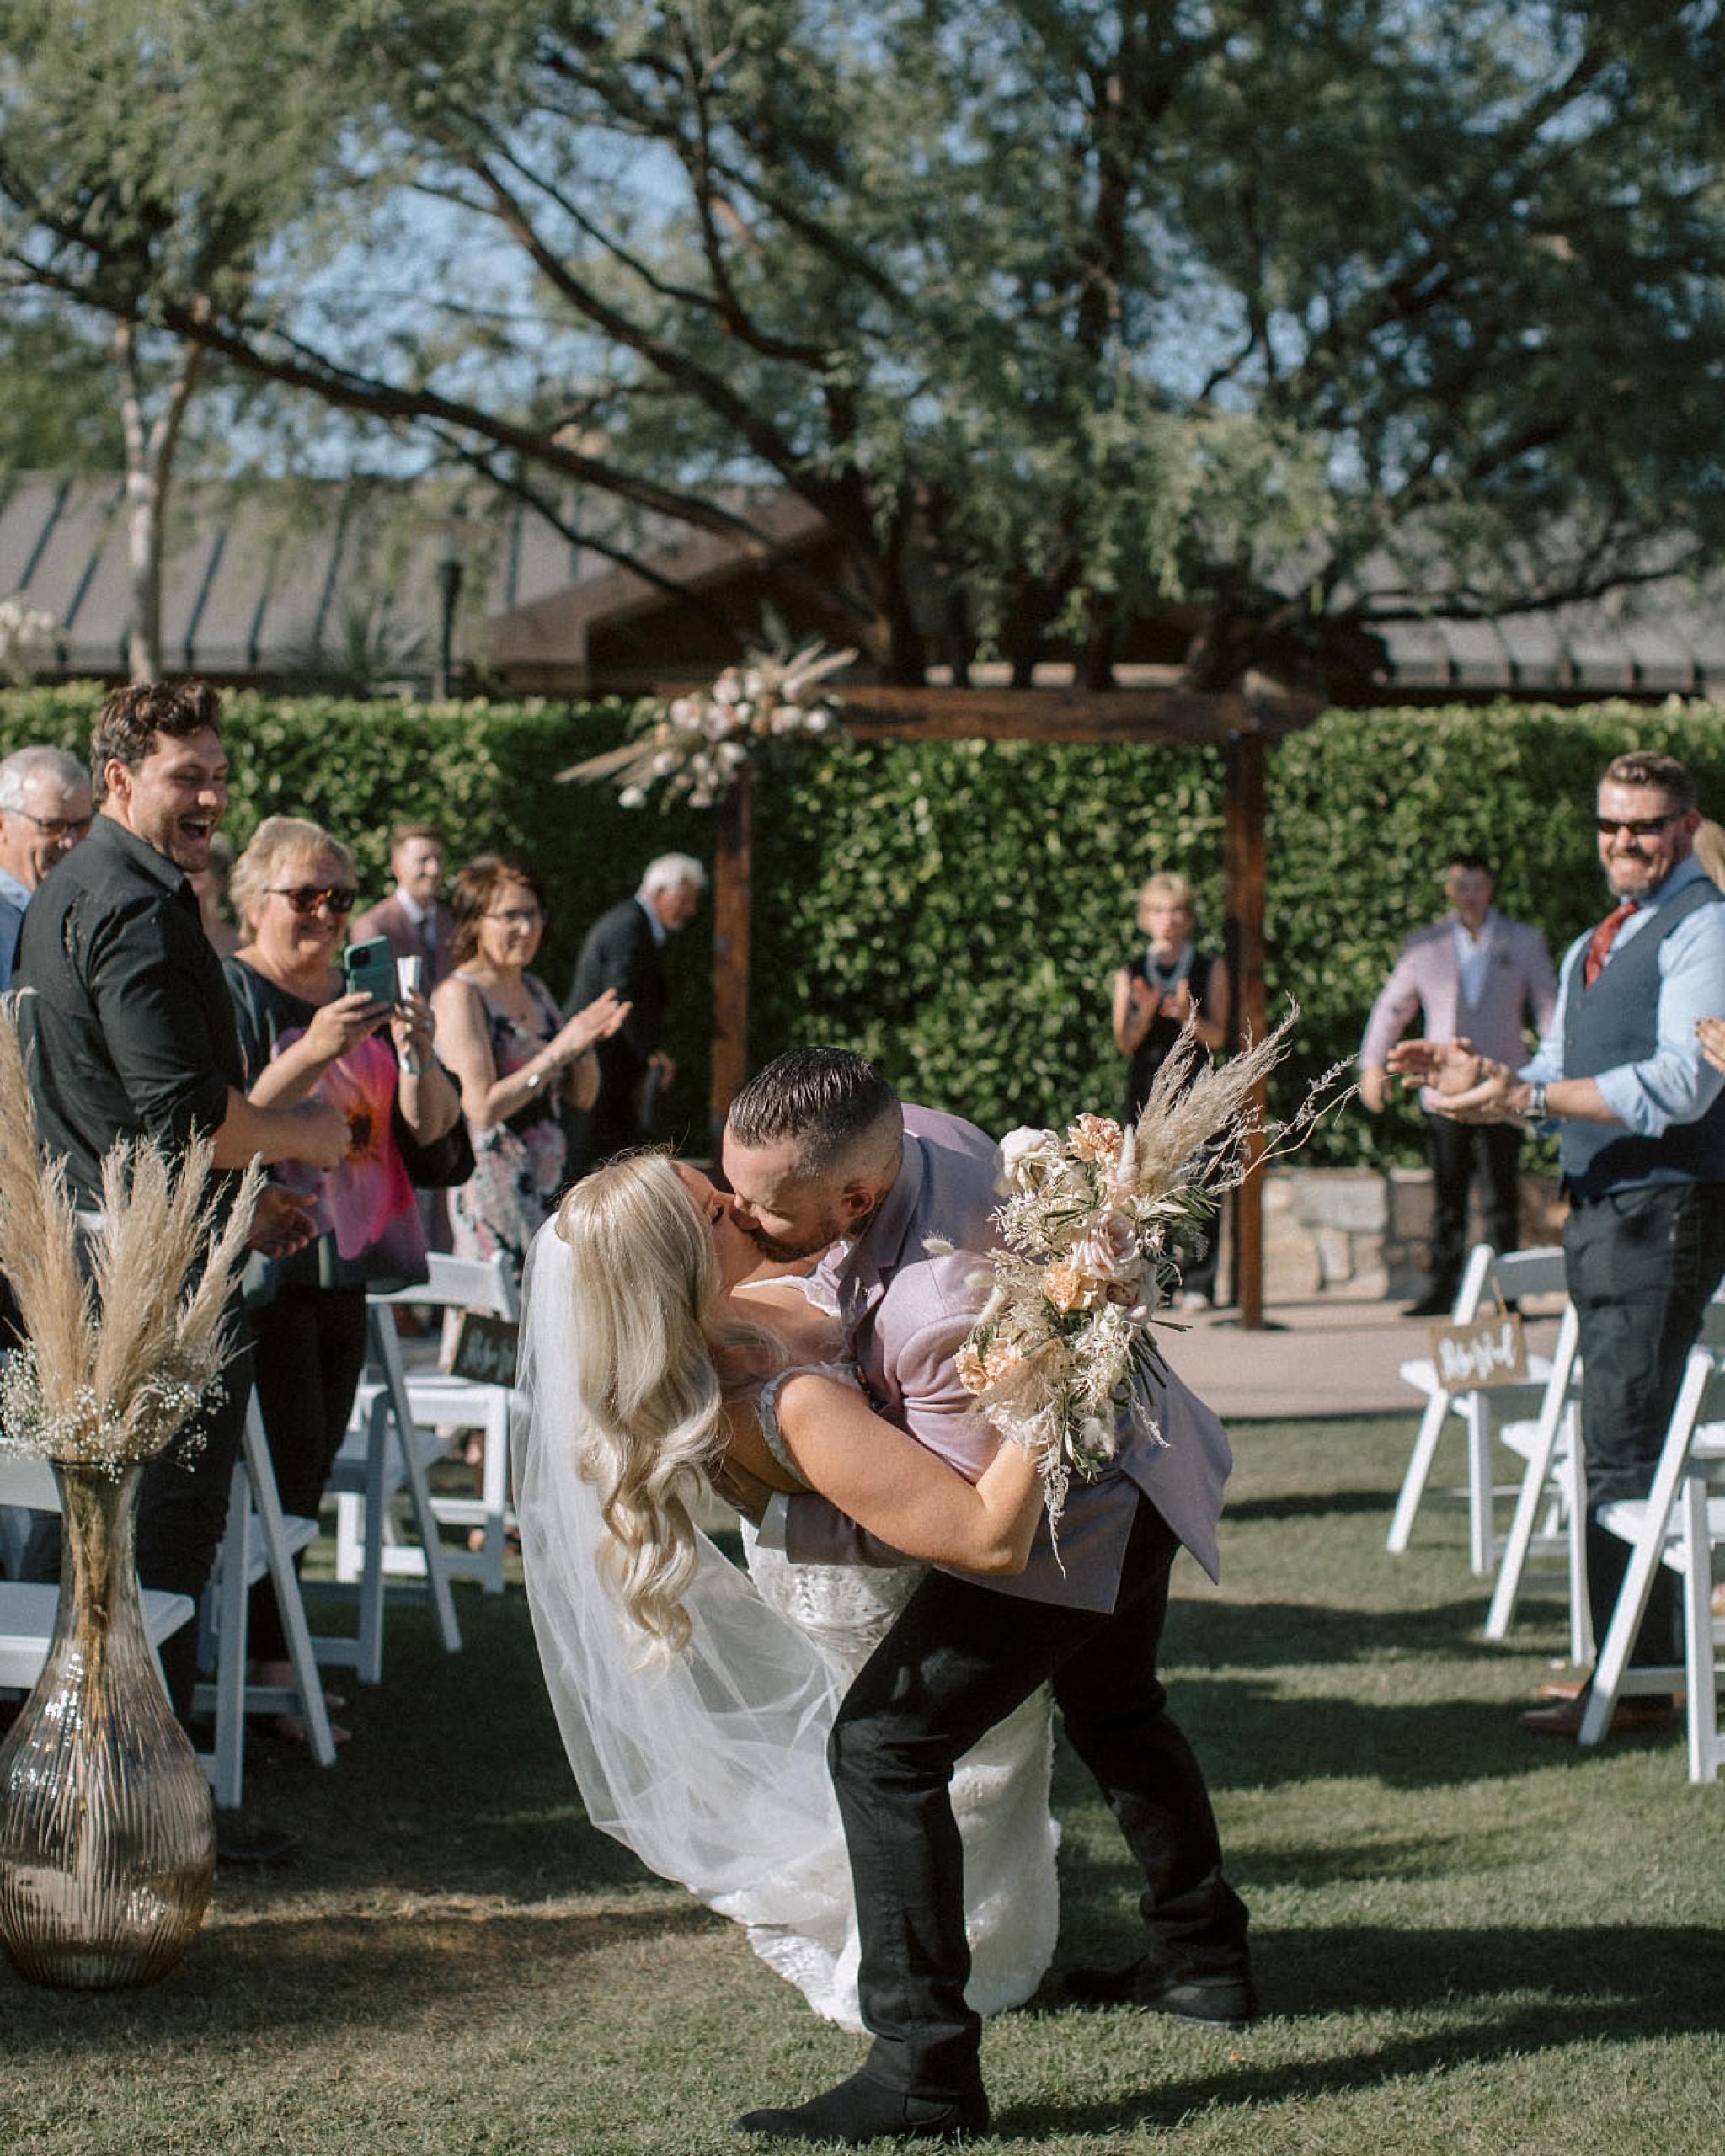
x,y
519,1164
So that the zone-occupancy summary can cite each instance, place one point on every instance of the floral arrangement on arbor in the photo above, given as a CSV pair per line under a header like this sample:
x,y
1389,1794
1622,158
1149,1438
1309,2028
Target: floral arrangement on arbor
x,y
699,745
114,1366
1063,1352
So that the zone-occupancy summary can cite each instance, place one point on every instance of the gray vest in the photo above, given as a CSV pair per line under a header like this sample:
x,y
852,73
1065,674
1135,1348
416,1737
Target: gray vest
x,y
1615,1022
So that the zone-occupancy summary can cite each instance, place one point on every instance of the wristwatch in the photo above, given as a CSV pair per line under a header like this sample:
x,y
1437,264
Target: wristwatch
x,y
1536,1109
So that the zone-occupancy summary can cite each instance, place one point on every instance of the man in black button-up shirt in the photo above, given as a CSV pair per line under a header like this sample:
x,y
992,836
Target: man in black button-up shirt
x,y
130,1034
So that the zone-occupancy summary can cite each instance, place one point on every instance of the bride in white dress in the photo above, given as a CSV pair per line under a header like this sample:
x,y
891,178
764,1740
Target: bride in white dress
x,y
694,1699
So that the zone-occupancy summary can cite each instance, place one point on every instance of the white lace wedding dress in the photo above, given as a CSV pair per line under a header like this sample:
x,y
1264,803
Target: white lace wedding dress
x,y
712,1767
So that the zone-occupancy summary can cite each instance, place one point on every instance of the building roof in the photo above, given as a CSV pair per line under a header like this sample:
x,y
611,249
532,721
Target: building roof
x,y
259,578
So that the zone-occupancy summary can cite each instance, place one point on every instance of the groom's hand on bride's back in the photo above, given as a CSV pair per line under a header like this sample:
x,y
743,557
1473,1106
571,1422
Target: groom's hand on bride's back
x,y
741,1489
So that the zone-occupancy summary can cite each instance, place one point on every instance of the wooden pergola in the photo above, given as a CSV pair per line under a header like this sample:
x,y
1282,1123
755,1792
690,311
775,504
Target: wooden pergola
x,y
1242,723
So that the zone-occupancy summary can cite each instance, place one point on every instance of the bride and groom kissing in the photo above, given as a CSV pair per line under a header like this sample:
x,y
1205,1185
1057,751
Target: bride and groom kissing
x,y
653,1368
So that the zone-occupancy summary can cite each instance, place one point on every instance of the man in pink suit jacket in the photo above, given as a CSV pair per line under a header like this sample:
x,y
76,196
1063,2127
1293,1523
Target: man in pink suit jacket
x,y
819,1152
413,918
1476,977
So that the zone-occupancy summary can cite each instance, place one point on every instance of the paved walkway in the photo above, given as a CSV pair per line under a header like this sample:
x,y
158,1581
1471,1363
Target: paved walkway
x,y
1332,1356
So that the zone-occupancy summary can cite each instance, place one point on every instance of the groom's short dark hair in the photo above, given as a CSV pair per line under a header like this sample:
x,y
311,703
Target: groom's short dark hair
x,y
825,1099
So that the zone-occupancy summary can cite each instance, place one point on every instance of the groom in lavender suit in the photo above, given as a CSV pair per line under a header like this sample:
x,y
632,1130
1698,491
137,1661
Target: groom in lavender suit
x,y
818,1151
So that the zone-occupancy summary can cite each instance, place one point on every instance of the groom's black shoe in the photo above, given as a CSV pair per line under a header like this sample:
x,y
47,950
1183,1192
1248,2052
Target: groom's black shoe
x,y
1219,2002
863,2109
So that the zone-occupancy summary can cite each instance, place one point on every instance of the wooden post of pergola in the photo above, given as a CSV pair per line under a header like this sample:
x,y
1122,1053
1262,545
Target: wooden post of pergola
x,y
733,883
1240,723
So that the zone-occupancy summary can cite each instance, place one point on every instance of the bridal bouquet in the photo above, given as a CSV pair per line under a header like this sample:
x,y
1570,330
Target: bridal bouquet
x,y
1063,1352
114,1366
697,746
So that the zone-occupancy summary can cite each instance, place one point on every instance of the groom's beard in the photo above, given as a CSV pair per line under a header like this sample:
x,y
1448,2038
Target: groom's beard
x,y
808,1245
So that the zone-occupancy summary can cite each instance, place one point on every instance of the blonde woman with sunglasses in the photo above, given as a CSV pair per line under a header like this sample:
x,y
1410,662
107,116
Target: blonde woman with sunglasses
x,y
303,1033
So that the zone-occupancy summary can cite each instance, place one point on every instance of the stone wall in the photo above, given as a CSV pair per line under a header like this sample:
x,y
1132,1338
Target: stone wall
x,y
1360,1232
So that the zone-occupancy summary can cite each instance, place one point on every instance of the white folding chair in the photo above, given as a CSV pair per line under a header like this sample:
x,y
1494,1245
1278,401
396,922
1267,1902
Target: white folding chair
x,y
27,1608
1549,1525
383,1456
260,1541
438,1401
1511,1276
1681,1523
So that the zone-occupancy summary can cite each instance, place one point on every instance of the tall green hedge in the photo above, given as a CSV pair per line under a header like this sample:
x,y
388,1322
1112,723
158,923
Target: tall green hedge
x,y
956,909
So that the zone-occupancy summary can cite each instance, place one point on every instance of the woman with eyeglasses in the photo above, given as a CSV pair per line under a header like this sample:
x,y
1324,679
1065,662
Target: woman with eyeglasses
x,y
304,1033
520,1065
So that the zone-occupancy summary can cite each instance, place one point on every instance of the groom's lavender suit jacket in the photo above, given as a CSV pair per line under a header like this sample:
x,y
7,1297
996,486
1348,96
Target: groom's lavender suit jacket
x,y
907,1312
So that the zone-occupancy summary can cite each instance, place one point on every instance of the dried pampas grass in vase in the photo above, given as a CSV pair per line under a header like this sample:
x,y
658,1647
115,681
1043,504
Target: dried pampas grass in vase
x,y
107,1837
125,1333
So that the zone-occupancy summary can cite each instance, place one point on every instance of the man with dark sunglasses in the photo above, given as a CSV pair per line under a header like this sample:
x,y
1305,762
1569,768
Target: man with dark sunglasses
x,y
128,1031
1640,1116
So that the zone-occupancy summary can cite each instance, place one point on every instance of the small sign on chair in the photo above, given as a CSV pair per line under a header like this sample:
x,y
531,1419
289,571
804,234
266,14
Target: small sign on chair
x,y
1488,1351
485,1349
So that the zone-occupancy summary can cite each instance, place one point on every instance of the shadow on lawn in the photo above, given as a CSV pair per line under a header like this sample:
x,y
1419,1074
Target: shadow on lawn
x,y
1213,1632
1311,1504
1249,1736
1506,1994
302,1973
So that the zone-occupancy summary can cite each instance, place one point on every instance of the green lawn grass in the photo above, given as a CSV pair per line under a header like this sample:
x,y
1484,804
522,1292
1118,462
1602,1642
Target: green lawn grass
x,y
1467,1939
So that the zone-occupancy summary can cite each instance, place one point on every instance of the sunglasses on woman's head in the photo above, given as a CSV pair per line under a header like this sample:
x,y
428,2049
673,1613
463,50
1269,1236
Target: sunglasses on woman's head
x,y
307,898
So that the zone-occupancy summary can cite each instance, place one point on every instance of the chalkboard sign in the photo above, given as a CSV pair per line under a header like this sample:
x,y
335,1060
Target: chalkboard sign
x,y
485,1349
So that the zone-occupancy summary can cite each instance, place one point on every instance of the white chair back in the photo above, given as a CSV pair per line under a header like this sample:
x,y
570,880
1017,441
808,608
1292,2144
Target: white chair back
x,y
1680,1523
1489,1279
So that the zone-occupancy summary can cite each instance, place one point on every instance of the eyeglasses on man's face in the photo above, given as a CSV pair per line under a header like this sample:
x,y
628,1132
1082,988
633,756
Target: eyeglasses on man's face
x,y
1635,827
307,898
56,827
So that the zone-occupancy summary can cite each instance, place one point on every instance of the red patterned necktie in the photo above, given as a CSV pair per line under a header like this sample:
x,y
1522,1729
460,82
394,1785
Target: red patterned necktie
x,y
1602,939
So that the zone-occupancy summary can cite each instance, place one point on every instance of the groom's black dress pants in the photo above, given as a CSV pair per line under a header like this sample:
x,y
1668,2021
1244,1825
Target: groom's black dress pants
x,y
959,1659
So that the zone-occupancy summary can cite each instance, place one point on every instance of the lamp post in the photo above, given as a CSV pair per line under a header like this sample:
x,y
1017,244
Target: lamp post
x,y
449,588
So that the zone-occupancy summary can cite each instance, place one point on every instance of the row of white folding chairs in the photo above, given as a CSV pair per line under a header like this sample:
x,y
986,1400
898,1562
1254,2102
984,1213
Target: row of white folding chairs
x,y
259,1541
1681,1523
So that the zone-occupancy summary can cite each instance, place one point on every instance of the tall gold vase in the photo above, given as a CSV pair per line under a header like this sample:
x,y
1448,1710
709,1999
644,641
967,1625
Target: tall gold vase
x,y
107,1835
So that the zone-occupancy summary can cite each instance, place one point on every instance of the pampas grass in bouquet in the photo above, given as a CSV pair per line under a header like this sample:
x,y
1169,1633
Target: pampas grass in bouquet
x,y
1063,1352
122,1347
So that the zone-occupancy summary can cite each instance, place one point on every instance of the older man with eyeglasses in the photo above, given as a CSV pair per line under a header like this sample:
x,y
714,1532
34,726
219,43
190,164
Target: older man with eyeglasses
x,y
45,810
1640,1117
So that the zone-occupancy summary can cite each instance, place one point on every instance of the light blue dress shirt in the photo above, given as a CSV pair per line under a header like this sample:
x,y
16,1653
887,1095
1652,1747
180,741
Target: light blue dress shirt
x,y
1675,1084
14,898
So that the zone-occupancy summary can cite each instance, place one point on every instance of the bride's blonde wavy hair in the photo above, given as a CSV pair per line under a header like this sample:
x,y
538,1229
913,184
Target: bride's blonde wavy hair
x,y
649,1335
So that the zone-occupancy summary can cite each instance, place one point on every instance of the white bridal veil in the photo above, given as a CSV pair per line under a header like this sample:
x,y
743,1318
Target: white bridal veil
x,y
711,1765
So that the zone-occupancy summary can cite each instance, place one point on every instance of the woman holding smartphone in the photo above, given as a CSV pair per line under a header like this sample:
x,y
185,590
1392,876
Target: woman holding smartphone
x,y
305,1031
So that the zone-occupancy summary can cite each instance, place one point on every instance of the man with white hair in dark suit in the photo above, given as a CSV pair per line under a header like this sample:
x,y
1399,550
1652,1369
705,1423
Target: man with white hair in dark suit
x,y
623,951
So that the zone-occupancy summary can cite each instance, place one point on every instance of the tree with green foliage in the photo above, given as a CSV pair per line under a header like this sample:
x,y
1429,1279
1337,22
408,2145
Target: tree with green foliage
x,y
1053,316
145,166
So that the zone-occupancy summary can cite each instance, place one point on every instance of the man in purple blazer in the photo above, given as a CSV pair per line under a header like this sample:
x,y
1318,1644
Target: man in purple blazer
x,y
1479,978
819,1152
413,918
